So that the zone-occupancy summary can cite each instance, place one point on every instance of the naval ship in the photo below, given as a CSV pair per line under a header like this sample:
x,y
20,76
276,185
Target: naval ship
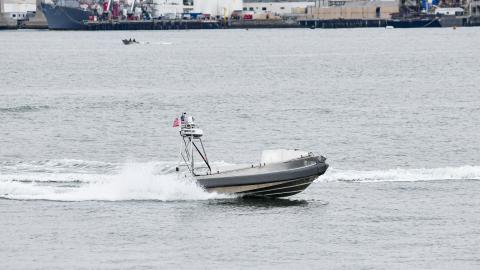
x,y
66,15
135,14
73,14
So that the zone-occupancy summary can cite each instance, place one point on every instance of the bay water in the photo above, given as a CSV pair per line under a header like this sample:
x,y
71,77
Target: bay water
x,y
88,152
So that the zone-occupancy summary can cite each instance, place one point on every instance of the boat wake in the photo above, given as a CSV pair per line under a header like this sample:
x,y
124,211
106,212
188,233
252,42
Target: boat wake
x,y
69,180
154,43
78,180
160,43
403,175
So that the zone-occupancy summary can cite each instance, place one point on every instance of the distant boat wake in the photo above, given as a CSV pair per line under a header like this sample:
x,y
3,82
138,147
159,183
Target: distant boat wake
x,y
405,175
150,43
160,43
154,43
77,180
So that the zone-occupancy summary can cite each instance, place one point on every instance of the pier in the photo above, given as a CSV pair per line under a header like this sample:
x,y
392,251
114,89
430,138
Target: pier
x,y
235,24
152,25
341,23
246,24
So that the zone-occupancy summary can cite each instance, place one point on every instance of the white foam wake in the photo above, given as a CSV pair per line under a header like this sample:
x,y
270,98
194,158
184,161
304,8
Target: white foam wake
x,y
399,174
54,166
136,181
73,180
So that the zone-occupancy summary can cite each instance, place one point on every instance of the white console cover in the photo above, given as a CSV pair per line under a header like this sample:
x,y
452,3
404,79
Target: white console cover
x,y
281,155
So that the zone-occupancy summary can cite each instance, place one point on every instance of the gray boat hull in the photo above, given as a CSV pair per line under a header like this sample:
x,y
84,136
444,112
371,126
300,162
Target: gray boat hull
x,y
271,180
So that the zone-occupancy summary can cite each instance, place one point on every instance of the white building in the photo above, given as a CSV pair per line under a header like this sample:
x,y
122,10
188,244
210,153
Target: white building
x,y
277,7
475,8
212,7
167,8
17,9
217,7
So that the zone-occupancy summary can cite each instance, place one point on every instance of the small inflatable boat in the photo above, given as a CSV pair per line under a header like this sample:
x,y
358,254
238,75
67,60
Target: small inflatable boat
x,y
129,41
280,173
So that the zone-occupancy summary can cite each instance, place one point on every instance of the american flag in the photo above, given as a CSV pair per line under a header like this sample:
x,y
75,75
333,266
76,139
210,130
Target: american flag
x,y
176,122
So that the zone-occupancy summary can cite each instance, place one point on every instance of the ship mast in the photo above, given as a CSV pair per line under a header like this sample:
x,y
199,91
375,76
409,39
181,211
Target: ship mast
x,y
190,145
132,7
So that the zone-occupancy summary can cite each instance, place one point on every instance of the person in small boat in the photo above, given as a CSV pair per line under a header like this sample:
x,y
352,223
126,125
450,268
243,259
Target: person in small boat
x,y
130,40
134,41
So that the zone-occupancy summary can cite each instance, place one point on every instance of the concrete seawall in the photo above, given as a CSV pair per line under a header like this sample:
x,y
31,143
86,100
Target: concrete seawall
x,y
38,21
152,25
6,22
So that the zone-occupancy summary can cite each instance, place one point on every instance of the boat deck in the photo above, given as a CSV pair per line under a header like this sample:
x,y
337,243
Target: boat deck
x,y
310,166
267,168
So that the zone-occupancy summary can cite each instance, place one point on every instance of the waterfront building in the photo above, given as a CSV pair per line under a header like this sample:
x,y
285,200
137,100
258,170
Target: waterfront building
x,y
13,11
17,9
220,8
277,7
174,8
473,8
325,9
352,10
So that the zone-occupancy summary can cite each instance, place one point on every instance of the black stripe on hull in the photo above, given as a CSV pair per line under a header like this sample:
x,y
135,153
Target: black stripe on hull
x,y
289,183
282,190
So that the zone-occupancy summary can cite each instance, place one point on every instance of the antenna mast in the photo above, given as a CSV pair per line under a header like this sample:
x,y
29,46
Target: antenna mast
x,y
190,145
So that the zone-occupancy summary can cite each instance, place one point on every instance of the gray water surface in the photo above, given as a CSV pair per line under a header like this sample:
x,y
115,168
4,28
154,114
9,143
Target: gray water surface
x,y
87,151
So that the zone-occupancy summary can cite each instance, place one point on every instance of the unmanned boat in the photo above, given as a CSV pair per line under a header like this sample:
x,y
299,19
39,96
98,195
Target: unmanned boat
x,y
280,173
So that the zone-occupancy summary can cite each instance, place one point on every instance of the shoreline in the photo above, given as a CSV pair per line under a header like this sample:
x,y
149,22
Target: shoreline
x,y
434,22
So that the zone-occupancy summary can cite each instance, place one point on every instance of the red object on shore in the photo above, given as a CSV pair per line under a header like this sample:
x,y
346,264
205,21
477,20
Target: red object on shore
x,y
248,17
115,10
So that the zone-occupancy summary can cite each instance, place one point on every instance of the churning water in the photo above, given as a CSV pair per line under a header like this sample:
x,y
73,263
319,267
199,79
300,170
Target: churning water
x,y
87,152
